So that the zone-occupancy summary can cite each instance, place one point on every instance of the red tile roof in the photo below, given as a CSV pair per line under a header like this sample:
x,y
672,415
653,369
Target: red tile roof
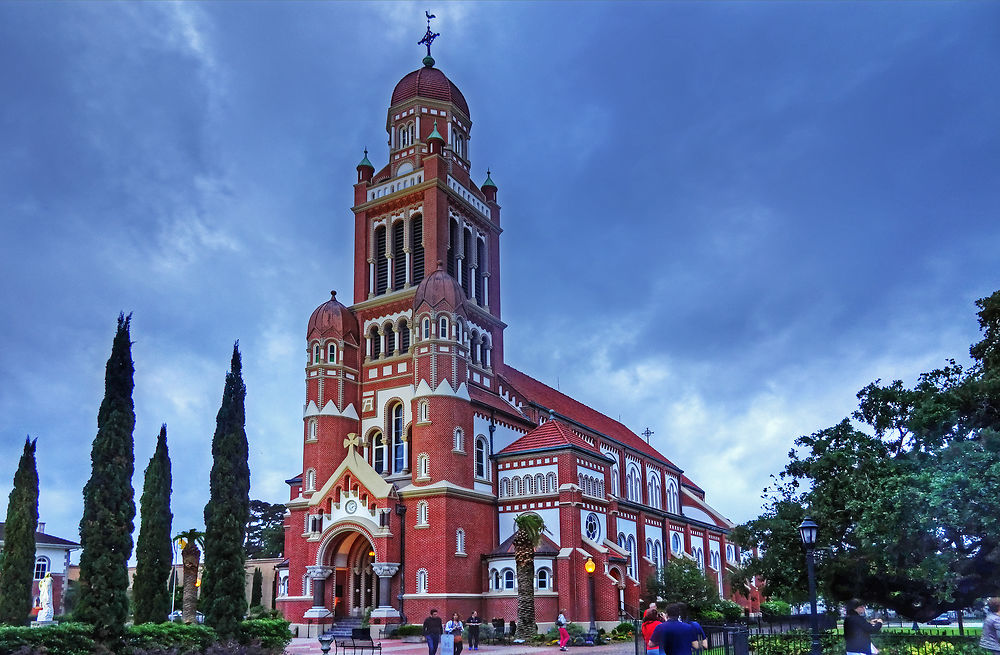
x,y
430,83
490,399
549,398
551,434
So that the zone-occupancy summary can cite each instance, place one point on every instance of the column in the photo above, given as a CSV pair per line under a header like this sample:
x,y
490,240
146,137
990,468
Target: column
x,y
318,575
385,571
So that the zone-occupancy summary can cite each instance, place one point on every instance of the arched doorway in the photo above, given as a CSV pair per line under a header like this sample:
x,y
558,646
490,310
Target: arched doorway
x,y
355,585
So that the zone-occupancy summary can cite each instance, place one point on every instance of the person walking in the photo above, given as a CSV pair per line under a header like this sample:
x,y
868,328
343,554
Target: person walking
x,y
432,632
650,620
473,623
454,629
991,627
858,630
673,636
563,633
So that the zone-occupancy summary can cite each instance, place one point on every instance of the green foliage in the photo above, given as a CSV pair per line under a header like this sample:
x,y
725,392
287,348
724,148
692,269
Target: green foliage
x,y
108,499
624,628
263,613
168,636
711,616
410,630
154,556
18,565
730,610
795,642
574,630
257,588
61,639
265,530
681,581
529,533
272,634
775,608
228,509
900,498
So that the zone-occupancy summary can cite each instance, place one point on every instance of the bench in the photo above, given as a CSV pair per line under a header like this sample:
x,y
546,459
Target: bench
x,y
361,641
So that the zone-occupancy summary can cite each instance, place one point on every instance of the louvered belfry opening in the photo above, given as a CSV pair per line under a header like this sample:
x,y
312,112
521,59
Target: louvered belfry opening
x,y
398,257
390,341
417,249
404,337
381,262
453,248
467,264
480,269
376,340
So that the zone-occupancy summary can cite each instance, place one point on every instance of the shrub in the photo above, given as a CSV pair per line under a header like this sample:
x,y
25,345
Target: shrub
x,y
271,634
712,616
774,608
259,612
624,628
64,639
732,611
574,629
178,637
410,630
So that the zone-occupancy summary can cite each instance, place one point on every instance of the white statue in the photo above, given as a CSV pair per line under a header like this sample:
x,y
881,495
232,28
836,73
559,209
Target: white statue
x,y
45,598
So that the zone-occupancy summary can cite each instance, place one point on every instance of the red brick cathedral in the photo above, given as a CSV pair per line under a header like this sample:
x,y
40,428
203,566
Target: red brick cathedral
x,y
421,444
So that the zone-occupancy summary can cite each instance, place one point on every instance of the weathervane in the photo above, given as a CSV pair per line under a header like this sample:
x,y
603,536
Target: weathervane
x,y
429,37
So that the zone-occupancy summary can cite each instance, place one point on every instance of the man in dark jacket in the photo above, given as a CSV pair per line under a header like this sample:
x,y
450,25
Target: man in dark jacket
x,y
432,632
857,630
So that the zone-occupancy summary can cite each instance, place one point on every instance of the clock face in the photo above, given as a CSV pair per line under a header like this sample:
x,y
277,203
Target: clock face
x,y
351,506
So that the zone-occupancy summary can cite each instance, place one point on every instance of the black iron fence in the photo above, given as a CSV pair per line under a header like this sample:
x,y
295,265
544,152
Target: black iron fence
x,y
799,642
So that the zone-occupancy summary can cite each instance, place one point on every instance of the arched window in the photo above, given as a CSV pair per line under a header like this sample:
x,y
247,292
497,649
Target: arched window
x,y
496,580
423,517
544,578
378,453
423,466
453,248
311,480
482,456
715,559
633,564
615,480
422,584
730,553
658,554
505,488
622,540
653,491
423,412
398,256
390,340
633,485
649,549
459,440
443,327
381,262
699,556
417,249
460,541
331,353
42,566
398,442
481,271
676,545
404,337
425,328
529,485
672,504
316,352
540,483
508,579
374,343
551,480
311,430
467,263
518,485
474,347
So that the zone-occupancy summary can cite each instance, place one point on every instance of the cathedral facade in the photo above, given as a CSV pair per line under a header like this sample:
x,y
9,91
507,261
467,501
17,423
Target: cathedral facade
x,y
421,444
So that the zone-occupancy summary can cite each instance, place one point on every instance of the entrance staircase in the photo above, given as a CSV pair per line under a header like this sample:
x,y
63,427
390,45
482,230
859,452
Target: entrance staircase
x,y
343,627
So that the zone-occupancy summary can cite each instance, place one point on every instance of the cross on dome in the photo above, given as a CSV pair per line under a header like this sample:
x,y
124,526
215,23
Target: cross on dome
x,y
428,40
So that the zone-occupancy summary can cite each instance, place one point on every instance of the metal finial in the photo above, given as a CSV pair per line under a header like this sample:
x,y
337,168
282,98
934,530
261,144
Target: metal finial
x,y
429,36
647,433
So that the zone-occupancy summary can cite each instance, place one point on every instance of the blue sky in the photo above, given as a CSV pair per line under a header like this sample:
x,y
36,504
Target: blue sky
x,y
721,219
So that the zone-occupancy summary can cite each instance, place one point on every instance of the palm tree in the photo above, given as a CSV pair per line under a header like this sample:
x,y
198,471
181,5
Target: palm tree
x,y
529,533
189,541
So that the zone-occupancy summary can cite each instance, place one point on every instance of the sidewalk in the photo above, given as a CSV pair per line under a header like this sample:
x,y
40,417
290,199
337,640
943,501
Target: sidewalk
x,y
302,646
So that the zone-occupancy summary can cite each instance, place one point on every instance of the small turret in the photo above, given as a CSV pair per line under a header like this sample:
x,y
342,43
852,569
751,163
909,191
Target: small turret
x,y
365,169
489,188
435,142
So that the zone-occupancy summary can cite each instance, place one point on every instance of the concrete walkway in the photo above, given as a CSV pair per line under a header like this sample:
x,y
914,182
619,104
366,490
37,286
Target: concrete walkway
x,y
302,646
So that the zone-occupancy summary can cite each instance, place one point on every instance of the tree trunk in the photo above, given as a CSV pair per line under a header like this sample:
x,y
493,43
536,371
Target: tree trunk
x,y
524,556
191,557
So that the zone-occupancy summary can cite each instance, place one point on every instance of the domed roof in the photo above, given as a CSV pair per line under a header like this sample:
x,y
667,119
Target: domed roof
x,y
440,291
429,82
331,319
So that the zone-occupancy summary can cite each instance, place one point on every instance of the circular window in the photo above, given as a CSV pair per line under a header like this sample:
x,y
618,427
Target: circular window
x,y
593,527
351,506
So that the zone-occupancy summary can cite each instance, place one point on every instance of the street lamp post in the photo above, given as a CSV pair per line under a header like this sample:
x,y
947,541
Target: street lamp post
x,y
807,531
590,567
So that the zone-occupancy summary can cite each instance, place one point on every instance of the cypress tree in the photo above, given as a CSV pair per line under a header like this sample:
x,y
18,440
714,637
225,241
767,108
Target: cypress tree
x,y
18,563
257,590
154,556
108,499
223,585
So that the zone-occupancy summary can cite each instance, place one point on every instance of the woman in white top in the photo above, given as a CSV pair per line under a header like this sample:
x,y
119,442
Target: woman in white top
x,y
454,627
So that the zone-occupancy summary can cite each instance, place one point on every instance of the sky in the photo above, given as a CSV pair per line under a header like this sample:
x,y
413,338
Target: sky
x,y
721,219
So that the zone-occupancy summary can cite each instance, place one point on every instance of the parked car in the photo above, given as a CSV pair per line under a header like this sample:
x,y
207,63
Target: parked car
x,y
178,617
943,619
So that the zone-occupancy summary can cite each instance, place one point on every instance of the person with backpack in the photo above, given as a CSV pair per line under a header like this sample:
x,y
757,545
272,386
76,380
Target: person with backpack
x,y
563,633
